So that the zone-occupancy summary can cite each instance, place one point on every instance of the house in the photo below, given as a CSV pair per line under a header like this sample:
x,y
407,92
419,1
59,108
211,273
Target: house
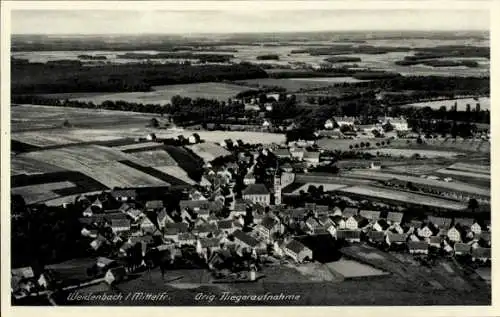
x,y
325,220
399,124
380,225
424,232
476,228
396,228
246,241
349,235
282,153
377,237
371,215
103,262
205,229
312,224
481,254
440,222
311,158
124,194
396,238
154,205
203,214
186,238
120,225
115,275
172,230
91,233
257,193
465,222
348,212
267,228
227,226
208,245
418,247
287,167
329,124
249,178
435,241
331,229
339,222
462,248
394,217
147,225
297,153
297,251
345,121
336,211
163,218
454,235
352,223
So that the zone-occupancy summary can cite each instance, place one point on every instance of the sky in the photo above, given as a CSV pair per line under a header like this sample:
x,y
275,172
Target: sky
x,y
238,21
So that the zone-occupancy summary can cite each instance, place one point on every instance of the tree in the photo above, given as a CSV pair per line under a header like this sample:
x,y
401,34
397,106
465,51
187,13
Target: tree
x,y
473,204
155,123
388,127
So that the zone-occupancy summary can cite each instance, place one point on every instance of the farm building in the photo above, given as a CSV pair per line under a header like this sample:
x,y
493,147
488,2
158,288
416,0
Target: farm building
x,y
246,241
268,227
349,235
394,217
462,248
297,251
371,215
124,194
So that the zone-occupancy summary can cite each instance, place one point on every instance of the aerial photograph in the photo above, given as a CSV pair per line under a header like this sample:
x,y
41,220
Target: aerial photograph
x,y
250,157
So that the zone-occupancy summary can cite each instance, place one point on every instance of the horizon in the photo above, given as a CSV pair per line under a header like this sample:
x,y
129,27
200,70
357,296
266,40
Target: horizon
x,y
103,22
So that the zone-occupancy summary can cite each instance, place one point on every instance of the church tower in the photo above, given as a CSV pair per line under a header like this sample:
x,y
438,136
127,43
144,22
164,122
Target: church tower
x,y
277,189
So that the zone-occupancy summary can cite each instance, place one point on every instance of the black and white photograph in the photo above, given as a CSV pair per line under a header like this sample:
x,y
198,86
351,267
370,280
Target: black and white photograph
x,y
225,155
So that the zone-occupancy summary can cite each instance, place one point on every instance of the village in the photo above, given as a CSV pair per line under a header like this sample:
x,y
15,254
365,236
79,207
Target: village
x,y
243,216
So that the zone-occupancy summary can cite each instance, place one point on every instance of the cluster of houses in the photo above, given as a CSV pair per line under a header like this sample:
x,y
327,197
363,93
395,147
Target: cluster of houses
x,y
398,124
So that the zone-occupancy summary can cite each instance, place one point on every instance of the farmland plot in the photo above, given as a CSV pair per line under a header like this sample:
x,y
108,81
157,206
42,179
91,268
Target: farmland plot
x,y
401,196
137,146
154,158
25,165
40,192
163,94
176,172
473,168
449,172
411,152
209,151
484,103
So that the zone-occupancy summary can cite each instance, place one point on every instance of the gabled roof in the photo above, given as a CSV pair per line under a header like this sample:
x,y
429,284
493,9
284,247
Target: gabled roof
x,y
397,237
186,236
462,247
394,216
481,252
383,224
348,234
295,246
378,236
280,152
175,228
117,193
370,214
206,227
312,222
245,238
210,242
348,212
120,223
417,245
225,224
464,221
440,221
201,204
268,223
311,155
154,204
256,189
435,239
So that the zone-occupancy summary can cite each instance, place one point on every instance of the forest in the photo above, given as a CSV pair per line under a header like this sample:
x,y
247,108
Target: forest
x,y
35,78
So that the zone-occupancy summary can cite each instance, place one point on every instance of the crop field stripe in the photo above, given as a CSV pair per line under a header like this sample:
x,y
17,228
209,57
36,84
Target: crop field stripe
x,y
155,173
79,179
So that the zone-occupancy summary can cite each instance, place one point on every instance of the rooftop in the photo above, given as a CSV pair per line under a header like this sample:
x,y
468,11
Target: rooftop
x,y
255,189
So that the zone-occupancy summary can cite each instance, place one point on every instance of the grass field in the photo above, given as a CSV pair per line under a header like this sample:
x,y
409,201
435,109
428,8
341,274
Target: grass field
x,y
450,172
25,165
411,152
154,158
400,196
163,94
484,103
326,187
473,168
32,117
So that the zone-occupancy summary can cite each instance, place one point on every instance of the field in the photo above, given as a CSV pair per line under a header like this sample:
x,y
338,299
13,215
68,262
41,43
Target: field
x,y
163,94
296,84
353,269
154,158
37,193
405,197
97,162
208,151
33,117
484,102
26,165
411,152
473,168
176,172
451,173
384,176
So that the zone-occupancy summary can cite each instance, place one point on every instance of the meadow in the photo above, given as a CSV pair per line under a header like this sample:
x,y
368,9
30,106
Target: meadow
x,y
401,196
484,103
410,152
163,94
